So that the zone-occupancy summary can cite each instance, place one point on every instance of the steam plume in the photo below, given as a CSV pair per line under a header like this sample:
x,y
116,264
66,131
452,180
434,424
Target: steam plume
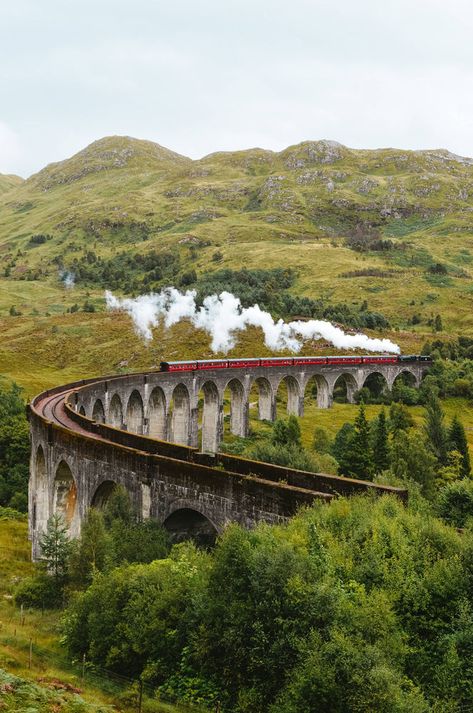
x,y
222,316
68,279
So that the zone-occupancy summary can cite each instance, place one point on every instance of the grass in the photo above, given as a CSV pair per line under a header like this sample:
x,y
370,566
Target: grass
x,y
50,667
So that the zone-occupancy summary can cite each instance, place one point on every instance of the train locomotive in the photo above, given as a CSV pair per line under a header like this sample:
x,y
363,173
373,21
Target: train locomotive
x,y
289,361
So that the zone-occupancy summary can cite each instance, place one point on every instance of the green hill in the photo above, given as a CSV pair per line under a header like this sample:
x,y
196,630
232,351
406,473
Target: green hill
x,y
386,230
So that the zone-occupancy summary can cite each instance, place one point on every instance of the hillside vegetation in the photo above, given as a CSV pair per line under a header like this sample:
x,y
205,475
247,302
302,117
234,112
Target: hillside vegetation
x,y
387,232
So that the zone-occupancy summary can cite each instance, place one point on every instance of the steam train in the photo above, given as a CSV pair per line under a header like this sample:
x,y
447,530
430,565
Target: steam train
x,y
289,361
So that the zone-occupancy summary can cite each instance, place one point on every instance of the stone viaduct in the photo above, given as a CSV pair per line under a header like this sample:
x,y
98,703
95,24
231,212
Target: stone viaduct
x,y
158,433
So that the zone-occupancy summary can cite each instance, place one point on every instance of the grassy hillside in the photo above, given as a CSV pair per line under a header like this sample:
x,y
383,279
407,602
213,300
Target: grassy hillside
x,y
389,228
7,183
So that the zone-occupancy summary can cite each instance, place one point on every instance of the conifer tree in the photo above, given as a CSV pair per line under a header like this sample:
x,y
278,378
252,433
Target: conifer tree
x,y
357,460
56,548
458,442
435,431
381,451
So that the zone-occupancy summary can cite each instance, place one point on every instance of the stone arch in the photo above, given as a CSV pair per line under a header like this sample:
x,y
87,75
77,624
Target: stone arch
x,y
211,418
266,401
157,414
403,386
102,494
180,415
98,412
39,505
115,412
408,377
344,388
64,493
293,394
187,523
135,412
317,388
82,411
238,407
377,384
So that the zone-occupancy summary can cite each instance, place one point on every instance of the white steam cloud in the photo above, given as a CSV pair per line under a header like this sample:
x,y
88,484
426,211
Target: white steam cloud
x,y
68,279
222,316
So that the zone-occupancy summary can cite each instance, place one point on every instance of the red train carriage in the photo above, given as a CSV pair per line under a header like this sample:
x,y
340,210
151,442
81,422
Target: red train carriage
x,y
243,363
384,359
344,360
178,365
213,364
278,361
300,361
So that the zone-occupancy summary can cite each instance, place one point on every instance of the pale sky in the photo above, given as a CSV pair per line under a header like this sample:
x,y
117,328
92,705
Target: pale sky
x,y
206,75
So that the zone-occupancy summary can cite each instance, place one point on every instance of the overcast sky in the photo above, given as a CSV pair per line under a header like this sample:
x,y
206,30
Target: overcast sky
x,y
204,75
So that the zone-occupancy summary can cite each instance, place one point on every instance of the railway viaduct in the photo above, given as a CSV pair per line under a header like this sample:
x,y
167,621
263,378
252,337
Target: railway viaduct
x,y
157,434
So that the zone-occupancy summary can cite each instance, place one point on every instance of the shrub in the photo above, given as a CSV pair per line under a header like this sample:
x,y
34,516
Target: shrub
x,y
455,502
40,592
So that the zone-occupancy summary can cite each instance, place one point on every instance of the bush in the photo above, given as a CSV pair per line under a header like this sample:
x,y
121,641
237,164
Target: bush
x,y
40,592
455,502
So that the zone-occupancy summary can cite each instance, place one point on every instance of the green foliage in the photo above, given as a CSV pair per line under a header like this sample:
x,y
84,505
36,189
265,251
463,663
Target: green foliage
x,y
55,547
289,456
286,433
381,450
435,430
356,461
39,592
411,460
118,507
455,502
22,695
14,449
143,541
89,554
458,442
399,418
321,441
359,605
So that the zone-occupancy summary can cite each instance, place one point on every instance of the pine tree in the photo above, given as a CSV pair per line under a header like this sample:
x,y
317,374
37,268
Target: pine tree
x,y
56,548
458,442
381,451
435,429
357,460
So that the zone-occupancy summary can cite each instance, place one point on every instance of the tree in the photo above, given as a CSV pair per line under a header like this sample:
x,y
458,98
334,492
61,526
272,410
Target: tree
x,y
322,442
412,460
286,433
14,449
381,454
434,429
118,507
55,547
399,418
90,552
342,440
458,442
455,502
357,460
438,327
